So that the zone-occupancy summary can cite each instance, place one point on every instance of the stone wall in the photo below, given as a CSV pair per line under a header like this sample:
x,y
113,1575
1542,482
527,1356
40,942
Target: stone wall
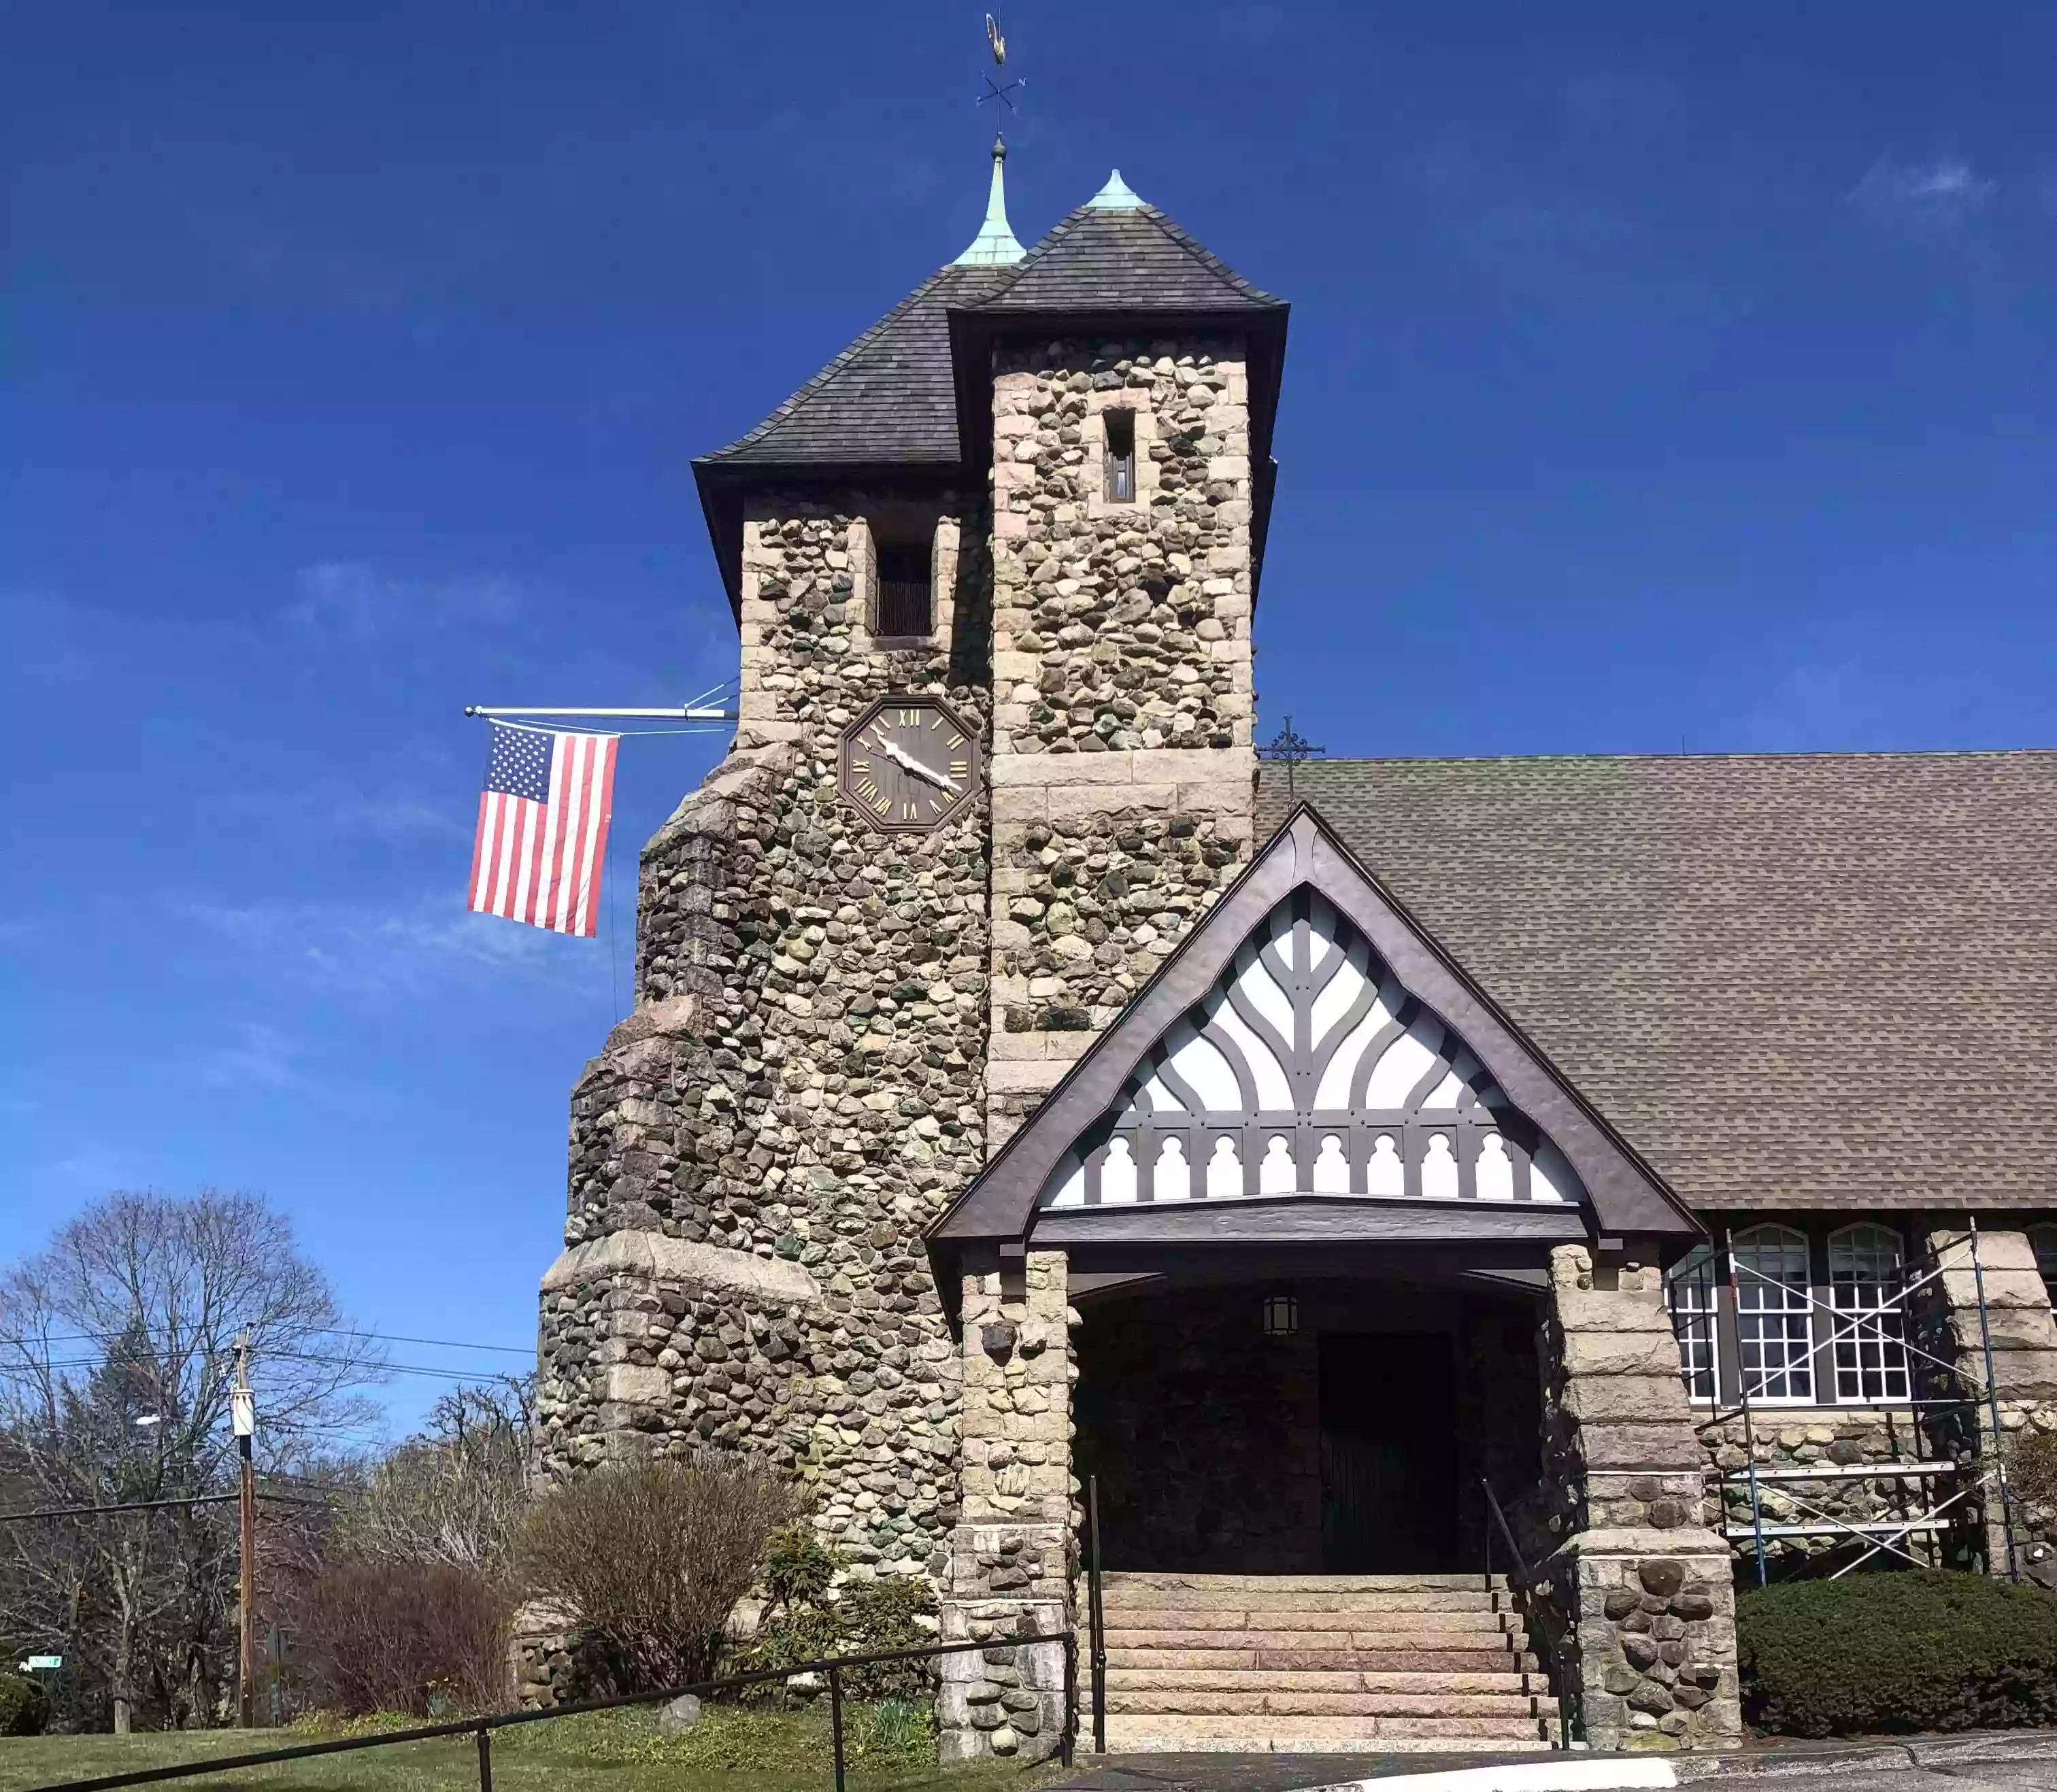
x,y
1123,778
1816,1438
1011,1557
1641,1588
799,1088
1122,625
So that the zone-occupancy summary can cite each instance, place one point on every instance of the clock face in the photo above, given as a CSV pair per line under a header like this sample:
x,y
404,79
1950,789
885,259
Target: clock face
x,y
909,765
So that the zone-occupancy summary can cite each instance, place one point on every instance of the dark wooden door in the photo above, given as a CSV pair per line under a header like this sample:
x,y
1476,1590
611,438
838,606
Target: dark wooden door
x,y
1388,1453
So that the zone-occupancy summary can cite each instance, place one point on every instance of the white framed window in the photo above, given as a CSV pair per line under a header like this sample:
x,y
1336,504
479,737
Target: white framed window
x,y
2042,1241
1689,1289
1865,1279
1774,1317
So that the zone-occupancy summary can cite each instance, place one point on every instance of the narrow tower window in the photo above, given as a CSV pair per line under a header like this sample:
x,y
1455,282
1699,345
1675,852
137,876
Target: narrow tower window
x,y
906,605
1120,427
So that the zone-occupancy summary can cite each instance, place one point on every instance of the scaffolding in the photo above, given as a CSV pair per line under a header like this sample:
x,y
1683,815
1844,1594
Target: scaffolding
x,y
1867,1326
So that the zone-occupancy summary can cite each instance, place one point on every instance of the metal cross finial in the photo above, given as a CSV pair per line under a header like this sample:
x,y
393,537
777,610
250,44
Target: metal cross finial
x,y
993,89
1290,748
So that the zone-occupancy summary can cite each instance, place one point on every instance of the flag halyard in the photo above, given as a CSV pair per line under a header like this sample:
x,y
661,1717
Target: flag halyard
x,y
543,817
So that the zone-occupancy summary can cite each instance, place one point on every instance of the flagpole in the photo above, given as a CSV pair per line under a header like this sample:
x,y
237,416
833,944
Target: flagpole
x,y
682,712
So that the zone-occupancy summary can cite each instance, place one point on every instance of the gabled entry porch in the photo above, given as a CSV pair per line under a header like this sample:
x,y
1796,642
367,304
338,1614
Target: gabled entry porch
x,y
1307,1248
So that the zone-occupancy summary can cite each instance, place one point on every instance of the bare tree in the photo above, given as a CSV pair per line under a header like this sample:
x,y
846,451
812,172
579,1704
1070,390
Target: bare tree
x,y
455,1494
116,1345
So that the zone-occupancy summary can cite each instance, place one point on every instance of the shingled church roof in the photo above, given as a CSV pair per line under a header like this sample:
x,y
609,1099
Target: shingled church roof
x,y
1125,256
1825,980
889,397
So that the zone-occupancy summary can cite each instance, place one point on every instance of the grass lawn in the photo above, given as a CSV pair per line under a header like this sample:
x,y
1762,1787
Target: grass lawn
x,y
730,1749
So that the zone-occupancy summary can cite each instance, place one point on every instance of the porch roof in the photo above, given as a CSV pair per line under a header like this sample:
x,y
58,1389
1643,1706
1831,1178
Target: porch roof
x,y
1619,1192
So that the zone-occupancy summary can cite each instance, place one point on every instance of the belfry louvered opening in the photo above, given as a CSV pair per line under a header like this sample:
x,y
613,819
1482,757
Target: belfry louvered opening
x,y
1307,1070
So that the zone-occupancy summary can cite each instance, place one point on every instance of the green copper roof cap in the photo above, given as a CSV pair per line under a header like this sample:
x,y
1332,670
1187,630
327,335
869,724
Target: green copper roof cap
x,y
1115,195
994,246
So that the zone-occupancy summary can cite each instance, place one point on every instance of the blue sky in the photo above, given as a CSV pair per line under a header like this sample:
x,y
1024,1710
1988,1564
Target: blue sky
x,y
1660,377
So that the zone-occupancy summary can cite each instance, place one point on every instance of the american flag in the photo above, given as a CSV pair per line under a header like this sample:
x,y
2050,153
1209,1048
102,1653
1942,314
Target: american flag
x,y
542,828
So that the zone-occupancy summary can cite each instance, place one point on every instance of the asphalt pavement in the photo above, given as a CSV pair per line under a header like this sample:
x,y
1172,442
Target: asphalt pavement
x,y
1989,1761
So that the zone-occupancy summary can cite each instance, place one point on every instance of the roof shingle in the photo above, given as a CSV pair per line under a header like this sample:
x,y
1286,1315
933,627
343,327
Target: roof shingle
x,y
1819,980
889,397
1133,259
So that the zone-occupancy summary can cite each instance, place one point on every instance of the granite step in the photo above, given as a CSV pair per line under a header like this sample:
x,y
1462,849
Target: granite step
x,y
1124,1578
1269,1700
1284,1621
1187,1675
1321,1735
1451,1601
1379,1655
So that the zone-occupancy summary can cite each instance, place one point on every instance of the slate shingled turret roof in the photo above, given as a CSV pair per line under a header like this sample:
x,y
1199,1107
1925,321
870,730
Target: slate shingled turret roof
x,y
910,396
887,398
1102,259
1801,980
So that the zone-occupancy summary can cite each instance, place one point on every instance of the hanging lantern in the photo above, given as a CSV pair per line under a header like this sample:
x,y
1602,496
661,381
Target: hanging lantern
x,y
1281,1315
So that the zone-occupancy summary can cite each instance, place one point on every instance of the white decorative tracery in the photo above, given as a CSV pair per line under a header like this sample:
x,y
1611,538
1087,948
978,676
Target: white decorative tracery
x,y
1308,1070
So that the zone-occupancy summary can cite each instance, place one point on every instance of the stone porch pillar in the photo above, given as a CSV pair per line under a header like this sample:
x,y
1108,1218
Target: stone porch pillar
x,y
1010,1568
1644,1587
2023,1333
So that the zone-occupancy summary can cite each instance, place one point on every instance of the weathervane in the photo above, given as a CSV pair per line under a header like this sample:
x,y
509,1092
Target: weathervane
x,y
993,89
1290,748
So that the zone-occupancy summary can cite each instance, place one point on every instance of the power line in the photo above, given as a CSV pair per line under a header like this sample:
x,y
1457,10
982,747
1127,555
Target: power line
x,y
370,1367
312,1330
155,1505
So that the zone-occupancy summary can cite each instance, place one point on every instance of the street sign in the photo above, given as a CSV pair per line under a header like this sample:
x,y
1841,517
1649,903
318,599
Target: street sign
x,y
35,1662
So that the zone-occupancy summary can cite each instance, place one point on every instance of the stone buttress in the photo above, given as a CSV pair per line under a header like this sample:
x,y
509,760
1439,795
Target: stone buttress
x,y
1641,1588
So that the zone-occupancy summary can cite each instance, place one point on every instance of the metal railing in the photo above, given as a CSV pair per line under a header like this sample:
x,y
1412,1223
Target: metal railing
x,y
482,1727
1096,1617
1522,1580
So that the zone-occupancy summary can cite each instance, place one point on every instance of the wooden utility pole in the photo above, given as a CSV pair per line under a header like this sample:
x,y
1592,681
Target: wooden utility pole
x,y
243,1410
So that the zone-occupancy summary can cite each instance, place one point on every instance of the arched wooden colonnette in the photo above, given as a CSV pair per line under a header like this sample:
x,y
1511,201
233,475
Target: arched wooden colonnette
x,y
1312,1098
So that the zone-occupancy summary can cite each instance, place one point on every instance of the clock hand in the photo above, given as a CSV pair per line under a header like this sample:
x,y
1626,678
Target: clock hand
x,y
901,756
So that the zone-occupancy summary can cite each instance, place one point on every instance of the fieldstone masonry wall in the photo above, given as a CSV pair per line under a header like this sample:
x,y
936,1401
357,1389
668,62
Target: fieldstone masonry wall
x,y
798,1093
1011,1555
1123,778
1642,1586
1813,1437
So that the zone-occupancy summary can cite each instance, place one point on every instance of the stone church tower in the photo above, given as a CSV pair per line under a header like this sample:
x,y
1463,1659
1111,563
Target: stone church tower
x,y
968,995
1036,492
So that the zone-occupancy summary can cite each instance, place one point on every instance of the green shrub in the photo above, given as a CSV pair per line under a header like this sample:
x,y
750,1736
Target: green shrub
x,y
802,1621
1919,1651
24,1707
884,1614
798,1567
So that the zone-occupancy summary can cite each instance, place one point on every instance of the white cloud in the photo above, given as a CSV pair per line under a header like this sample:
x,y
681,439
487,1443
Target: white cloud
x,y
355,599
1937,197
259,1056
327,807
378,956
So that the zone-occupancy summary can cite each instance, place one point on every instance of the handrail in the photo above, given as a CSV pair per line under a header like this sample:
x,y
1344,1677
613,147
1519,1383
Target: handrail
x,y
1524,1582
482,1727
1097,1616
1500,1518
